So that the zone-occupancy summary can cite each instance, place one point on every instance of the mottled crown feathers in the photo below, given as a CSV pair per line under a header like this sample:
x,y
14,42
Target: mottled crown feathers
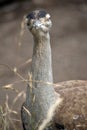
x,y
36,14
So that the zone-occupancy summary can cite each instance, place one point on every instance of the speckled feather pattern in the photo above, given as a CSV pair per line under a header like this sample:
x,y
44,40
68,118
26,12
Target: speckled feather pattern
x,y
73,111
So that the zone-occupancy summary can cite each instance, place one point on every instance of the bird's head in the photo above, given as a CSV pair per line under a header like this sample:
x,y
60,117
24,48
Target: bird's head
x,y
38,22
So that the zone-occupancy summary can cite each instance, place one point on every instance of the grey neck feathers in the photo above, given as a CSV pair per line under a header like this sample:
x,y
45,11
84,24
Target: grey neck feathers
x,y
41,73
41,60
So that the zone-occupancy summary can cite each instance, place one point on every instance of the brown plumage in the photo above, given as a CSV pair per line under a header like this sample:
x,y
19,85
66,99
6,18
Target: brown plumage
x,y
73,110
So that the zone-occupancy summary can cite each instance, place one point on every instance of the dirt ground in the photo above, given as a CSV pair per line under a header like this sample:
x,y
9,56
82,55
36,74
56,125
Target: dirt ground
x,y
68,41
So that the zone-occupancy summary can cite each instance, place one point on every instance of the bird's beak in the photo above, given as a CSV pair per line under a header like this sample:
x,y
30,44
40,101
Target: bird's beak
x,y
37,24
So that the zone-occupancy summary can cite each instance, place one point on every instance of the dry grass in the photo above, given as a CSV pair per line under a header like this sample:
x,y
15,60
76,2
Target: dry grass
x,y
9,116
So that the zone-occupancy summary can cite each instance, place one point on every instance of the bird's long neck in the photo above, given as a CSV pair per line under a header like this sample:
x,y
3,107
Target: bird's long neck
x,y
41,60
41,74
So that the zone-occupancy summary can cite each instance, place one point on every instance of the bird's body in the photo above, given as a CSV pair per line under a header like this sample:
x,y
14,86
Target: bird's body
x,y
73,110
40,92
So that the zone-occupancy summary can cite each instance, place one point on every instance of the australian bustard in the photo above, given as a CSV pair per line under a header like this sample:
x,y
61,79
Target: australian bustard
x,y
44,109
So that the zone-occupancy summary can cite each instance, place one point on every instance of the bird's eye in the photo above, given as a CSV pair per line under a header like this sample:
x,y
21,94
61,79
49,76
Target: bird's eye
x,y
42,14
30,16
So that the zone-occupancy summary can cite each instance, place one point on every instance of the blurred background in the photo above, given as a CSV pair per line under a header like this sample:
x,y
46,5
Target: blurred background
x,y
68,41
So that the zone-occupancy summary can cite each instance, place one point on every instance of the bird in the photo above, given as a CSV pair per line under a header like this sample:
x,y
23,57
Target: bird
x,y
50,107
